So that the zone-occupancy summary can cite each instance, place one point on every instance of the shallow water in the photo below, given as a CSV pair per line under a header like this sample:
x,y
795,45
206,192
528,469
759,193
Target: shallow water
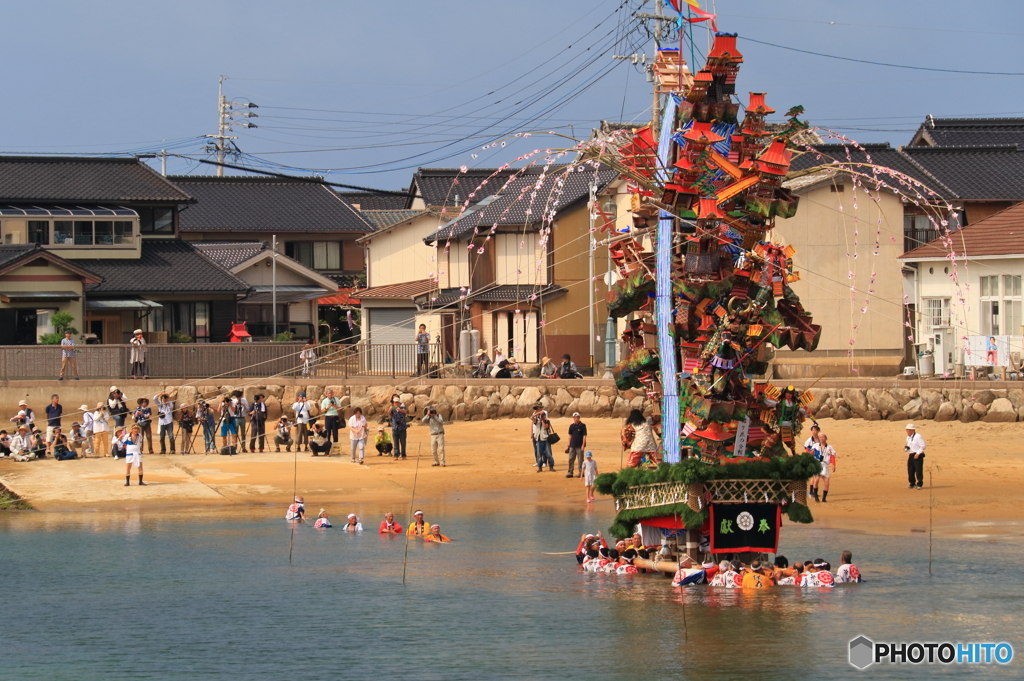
x,y
140,595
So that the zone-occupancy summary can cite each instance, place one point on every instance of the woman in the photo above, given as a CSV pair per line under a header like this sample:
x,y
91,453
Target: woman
x,y
138,356
133,450
435,534
515,371
589,475
418,527
388,525
117,448
828,467
357,434
548,369
116,406
353,524
642,442
322,520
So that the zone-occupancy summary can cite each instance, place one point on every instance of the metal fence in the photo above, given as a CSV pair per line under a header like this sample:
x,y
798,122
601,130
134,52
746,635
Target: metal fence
x,y
217,360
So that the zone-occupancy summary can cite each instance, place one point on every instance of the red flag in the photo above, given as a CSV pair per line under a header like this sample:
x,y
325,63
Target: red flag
x,y
693,8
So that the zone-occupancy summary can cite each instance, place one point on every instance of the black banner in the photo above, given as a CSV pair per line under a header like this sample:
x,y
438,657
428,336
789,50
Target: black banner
x,y
745,527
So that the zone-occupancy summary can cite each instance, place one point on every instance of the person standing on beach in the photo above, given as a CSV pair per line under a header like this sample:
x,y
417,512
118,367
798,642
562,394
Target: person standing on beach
x,y
228,422
828,467
133,450
915,457
117,406
540,430
67,355
329,406
165,421
302,416
399,426
137,356
436,423
812,445
143,418
204,415
53,413
588,469
357,434
257,423
241,416
101,430
422,351
577,443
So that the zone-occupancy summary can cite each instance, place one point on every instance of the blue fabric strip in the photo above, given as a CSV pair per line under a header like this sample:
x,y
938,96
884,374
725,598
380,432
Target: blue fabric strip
x,y
663,305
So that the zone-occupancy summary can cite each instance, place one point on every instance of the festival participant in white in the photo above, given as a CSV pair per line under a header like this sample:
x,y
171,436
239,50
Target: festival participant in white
x,y
297,510
915,457
847,572
133,454
828,466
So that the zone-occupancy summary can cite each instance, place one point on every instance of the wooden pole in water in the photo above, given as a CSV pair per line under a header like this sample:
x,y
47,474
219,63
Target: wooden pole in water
x,y
931,503
412,499
295,489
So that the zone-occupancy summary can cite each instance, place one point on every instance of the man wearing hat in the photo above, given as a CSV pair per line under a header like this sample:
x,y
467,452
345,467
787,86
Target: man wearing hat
x,y
100,430
117,406
67,355
302,415
915,457
138,355
483,365
548,369
687,574
21,444
77,440
53,410
432,419
87,425
26,416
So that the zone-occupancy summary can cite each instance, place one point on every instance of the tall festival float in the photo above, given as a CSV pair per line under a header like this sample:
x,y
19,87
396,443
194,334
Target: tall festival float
x,y
705,302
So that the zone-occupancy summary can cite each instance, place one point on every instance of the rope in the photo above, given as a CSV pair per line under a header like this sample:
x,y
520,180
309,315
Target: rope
x,y
412,499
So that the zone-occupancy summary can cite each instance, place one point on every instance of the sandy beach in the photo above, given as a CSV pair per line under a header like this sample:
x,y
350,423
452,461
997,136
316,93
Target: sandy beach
x,y
974,471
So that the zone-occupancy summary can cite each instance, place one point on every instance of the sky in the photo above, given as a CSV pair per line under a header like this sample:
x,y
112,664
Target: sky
x,y
364,92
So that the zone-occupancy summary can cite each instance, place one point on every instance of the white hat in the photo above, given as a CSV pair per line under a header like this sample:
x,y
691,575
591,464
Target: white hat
x,y
84,407
707,566
418,513
113,388
136,332
910,426
22,413
575,414
22,403
352,515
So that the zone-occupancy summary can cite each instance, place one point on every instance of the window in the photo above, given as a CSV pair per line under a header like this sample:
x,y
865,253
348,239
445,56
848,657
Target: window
x,y
39,232
936,312
69,233
202,321
1001,303
63,232
920,229
1011,305
318,255
83,233
156,220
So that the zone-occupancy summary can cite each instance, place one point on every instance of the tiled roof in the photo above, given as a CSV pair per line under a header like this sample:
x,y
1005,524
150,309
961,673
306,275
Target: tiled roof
x,y
166,266
347,281
231,254
382,219
94,180
994,173
405,290
451,187
265,204
998,234
510,293
524,202
11,255
969,132
875,154
365,201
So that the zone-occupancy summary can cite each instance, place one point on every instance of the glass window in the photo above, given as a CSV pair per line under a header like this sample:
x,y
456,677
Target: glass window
x,y
104,231
202,321
39,232
83,233
122,232
937,311
156,220
990,317
63,232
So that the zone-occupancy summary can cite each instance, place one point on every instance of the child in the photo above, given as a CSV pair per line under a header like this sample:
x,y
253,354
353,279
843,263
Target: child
x,y
308,356
589,474
383,442
117,448
284,436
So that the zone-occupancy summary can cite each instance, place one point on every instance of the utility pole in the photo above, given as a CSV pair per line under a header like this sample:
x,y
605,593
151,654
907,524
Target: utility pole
x,y
590,275
226,123
659,18
163,162
273,283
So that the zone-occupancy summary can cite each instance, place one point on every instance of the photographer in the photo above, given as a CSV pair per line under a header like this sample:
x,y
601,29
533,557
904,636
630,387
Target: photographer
x,y
436,423
915,457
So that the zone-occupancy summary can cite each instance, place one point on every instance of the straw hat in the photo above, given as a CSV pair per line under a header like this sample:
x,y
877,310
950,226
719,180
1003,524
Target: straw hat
x,y
545,360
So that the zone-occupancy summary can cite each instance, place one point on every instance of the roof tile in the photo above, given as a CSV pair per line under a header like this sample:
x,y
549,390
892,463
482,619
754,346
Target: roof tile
x,y
166,266
998,234
94,180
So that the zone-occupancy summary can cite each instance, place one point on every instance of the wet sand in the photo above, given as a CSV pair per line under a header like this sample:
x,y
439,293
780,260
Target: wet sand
x,y
973,471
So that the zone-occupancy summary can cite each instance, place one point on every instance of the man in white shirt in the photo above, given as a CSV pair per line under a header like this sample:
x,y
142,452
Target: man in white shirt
x,y
847,572
101,430
165,411
302,416
915,457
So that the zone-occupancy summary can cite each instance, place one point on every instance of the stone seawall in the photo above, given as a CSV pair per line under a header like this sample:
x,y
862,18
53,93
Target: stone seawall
x,y
477,402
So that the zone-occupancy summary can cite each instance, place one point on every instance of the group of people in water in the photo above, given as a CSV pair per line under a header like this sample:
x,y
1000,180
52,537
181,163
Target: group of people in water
x,y
594,555
418,528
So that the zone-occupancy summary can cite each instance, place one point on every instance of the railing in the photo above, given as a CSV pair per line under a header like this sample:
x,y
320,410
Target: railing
x,y
218,360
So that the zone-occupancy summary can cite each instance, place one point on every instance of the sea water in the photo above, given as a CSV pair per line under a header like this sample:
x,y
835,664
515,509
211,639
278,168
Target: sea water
x,y
205,595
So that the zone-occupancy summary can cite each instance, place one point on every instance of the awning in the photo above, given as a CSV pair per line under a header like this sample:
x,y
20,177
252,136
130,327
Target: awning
x,y
339,299
120,305
285,294
38,296
44,210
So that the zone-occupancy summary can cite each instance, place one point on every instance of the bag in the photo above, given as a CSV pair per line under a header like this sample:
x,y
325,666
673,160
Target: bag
x,y
494,370
553,437
230,450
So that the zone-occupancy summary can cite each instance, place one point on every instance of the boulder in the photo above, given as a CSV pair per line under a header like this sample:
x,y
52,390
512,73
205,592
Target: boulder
x,y
478,407
531,370
507,406
459,412
503,390
528,396
314,393
856,400
945,412
821,398
913,408
273,411
421,402
824,413
576,391
563,399
901,395
517,390
842,413
573,407
638,403
968,415
930,402
420,390
187,396
453,394
620,409
1016,398
978,408
1001,411
604,405
872,415
897,416
275,390
588,403
880,400
407,399
608,391
984,397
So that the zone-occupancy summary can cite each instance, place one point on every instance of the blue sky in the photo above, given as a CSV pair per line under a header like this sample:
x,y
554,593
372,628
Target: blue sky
x,y
363,92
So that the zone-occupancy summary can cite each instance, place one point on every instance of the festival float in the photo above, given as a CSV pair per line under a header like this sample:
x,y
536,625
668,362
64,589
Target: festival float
x,y
704,303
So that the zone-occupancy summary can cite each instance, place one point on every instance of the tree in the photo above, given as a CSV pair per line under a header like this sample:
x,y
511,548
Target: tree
x,y
61,322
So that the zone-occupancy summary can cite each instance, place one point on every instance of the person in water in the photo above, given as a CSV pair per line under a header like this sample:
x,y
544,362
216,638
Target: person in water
x,y
322,521
435,534
418,527
353,524
388,525
297,510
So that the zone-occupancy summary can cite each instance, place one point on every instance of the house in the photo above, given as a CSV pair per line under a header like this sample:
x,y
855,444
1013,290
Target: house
x,y
98,227
375,201
977,293
968,132
312,223
296,288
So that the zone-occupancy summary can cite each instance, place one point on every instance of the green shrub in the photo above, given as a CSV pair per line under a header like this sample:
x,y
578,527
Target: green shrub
x,y
179,337
284,337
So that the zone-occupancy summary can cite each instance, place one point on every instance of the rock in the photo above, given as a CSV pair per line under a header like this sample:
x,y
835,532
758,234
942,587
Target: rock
x,y
842,413
459,412
608,391
407,399
503,391
984,397
913,408
898,416
901,395
507,406
856,400
620,409
314,393
872,415
604,406
453,394
273,411
531,370
575,392
528,396
493,400
421,403
1016,398
930,402
275,390
821,398
1001,411
945,412
517,390
420,390
187,396
969,416
637,403
573,407
881,401
979,408
588,403
824,413
478,407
